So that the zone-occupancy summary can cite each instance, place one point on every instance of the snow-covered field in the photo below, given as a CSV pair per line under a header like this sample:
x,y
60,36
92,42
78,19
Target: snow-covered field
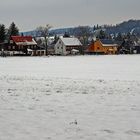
x,y
70,98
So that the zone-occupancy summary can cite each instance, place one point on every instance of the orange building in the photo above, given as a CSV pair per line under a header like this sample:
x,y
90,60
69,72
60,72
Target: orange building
x,y
102,46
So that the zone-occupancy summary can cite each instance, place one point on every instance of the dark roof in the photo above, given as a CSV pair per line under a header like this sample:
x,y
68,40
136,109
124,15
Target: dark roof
x,y
119,42
107,41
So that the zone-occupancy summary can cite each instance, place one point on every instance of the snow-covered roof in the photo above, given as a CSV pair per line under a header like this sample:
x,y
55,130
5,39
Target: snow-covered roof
x,y
71,41
27,43
50,40
29,50
74,50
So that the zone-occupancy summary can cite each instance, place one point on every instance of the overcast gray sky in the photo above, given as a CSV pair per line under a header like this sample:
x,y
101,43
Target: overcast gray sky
x,y
28,14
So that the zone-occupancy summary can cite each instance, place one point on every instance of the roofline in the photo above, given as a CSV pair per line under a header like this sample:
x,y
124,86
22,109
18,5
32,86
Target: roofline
x,y
108,45
73,38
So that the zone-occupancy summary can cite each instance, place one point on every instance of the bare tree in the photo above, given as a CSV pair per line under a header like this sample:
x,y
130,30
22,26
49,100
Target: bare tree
x,y
44,32
83,33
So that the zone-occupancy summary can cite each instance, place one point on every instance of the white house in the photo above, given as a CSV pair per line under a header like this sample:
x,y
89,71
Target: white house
x,y
67,45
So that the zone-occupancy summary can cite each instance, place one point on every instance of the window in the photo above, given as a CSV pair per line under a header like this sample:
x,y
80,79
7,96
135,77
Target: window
x,y
9,47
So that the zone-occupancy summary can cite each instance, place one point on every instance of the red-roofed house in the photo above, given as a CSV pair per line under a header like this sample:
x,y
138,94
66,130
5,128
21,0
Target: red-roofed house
x,y
23,45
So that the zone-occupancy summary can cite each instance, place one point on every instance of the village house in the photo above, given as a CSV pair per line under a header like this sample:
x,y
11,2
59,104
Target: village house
x,y
102,46
23,45
136,47
67,46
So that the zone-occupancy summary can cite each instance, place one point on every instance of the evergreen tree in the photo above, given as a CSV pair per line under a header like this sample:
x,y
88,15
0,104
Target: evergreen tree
x,y
66,35
56,38
102,35
13,30
94,28
2,33
97,27
119,37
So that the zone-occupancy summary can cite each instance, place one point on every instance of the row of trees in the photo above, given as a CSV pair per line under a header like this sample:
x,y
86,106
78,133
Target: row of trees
x,y
128,42
6,33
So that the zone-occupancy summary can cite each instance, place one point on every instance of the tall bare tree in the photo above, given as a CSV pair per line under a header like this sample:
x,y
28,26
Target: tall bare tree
x,y
44,32
83,33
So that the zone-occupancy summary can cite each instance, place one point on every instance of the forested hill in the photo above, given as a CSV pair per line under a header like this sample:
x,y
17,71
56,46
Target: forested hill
x,y
125,27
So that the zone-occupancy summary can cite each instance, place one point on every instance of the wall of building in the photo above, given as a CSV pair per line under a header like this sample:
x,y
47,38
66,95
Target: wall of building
x,y
97,47
60,48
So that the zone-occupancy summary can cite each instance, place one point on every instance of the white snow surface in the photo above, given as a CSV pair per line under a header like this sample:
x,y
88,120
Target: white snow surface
x,y
70,98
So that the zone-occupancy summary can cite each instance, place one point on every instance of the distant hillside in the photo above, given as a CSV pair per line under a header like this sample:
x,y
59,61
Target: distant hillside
x,y
132,26
62,31
28,33
125,27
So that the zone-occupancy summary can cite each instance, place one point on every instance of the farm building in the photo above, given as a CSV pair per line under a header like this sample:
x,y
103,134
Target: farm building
x,y
68,45
102,46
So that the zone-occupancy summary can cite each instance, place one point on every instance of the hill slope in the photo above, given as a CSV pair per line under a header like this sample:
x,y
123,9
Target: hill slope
x,y
124,27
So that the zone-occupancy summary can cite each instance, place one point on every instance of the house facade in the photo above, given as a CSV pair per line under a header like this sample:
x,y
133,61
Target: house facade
x,y
102,46
23,45
67,46
136,47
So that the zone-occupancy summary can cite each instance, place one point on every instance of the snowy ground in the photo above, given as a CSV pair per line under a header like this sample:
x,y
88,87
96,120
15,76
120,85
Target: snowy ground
x,y
70,98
